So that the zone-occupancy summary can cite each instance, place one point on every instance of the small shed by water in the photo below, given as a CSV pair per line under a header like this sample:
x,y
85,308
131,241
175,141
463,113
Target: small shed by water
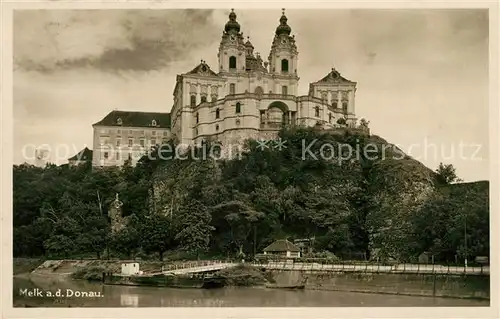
x,y
282,248
130,269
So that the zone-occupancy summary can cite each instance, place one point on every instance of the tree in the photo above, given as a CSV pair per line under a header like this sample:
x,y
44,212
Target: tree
x,y
60,245
446,174
194,229
156,234
127,240
241,217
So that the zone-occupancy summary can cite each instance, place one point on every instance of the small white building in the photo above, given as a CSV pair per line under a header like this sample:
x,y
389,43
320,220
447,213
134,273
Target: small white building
x,y
282,248
130,269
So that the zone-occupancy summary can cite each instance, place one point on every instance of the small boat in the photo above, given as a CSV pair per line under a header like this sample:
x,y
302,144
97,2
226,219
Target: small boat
x,y
294,287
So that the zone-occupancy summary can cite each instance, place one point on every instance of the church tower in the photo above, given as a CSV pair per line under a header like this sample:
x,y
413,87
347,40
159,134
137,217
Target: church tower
x,y
283,59
232,48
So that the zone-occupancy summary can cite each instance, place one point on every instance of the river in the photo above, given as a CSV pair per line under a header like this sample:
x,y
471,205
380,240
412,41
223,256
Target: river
x,y
125,296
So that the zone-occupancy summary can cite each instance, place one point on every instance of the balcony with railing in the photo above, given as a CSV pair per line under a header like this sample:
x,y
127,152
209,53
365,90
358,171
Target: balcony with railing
x,y
272,126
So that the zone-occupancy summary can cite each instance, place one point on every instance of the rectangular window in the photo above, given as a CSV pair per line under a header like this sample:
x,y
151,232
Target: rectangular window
x,y
344,106
262,114
153,133
232,88
118,142
153,142
165,133
203,99
130,132
142,133
118,131
284,90
232,62
193,100
129,156
117,156
217,113
141,142
106,155
130,142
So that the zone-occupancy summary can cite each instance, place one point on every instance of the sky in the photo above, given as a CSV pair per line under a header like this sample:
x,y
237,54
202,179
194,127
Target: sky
x,y
422,75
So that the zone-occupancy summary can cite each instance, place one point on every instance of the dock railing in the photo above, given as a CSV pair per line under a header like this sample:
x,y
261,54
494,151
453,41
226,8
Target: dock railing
x,y
340,266
366,267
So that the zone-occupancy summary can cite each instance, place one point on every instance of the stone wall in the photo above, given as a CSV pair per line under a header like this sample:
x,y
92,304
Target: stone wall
x,y
400,284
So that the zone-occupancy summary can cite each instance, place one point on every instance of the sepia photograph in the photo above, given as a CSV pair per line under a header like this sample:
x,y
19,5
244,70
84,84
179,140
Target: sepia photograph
x,y
250,157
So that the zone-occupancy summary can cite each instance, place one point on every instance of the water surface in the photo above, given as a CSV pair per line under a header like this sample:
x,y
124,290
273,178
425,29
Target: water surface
x,y
129,296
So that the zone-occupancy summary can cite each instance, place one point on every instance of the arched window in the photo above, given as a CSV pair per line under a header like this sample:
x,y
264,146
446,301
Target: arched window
x,y
193,100
119,121
344,106
284,65
316,111
217,113
203,99
153,123
335,104
197,118
232,62
238,107
232,88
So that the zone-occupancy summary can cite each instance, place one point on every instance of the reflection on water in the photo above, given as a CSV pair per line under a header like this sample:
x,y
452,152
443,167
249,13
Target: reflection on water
x,y
129,296
127,300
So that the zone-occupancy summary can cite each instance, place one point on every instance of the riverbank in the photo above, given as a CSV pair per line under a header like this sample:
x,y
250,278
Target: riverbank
x,y
25,265
425,285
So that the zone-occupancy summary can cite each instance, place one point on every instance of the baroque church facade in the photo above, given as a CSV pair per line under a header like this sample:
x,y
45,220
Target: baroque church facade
x,y
246,97
250,98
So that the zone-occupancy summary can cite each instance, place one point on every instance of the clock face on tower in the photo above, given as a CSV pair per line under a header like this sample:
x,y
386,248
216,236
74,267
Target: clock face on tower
x,y
283,41
232,38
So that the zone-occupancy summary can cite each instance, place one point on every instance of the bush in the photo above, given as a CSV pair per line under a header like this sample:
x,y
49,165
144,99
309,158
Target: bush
x,y
91,273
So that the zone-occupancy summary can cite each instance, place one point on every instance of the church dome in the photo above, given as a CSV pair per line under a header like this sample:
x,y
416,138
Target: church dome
x,y
283,28
232,24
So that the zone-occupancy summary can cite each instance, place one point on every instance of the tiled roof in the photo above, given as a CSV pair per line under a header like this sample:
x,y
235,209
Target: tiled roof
x,y
334,77
83,155
135,119
202,69
281,245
